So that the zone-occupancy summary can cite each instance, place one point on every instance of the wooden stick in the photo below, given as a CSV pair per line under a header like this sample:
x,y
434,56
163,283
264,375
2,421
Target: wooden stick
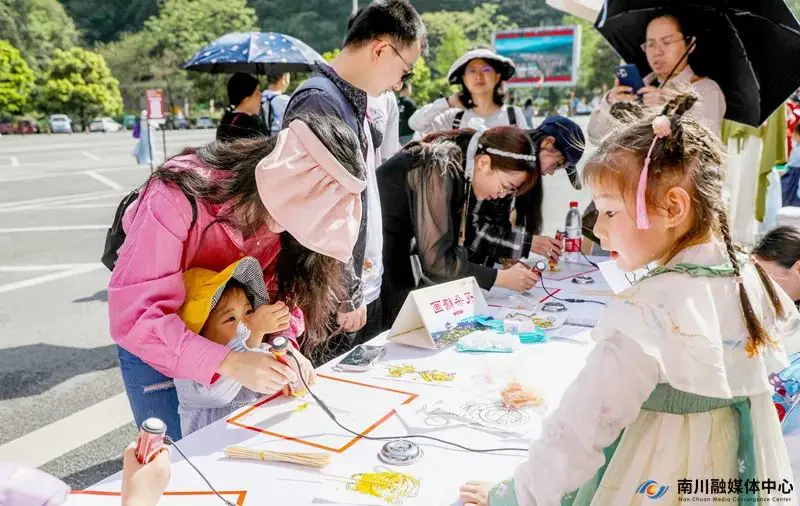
x,y
317,460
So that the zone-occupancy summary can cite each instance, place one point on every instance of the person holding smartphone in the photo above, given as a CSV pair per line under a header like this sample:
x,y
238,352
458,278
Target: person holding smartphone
x,y
668,48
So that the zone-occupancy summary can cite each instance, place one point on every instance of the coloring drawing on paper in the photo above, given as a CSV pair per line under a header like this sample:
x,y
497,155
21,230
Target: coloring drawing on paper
x,y
410,372
291,422
205,498
384,483
495,414
434,417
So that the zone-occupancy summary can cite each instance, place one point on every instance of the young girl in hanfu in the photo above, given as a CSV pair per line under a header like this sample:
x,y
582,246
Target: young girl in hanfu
x,y
675,396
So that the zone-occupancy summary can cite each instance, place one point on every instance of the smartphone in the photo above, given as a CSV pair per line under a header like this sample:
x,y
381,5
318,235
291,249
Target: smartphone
x,y
628,75
361,358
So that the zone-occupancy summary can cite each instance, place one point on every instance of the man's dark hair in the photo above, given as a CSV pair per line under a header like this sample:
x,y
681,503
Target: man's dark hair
x,y
396,19
240,86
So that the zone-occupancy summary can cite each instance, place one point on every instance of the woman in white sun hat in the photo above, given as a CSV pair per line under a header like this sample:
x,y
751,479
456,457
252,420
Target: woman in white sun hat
x,y
481,74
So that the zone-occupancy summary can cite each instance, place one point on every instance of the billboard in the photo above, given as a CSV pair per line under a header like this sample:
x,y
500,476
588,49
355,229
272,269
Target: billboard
x,y
546,56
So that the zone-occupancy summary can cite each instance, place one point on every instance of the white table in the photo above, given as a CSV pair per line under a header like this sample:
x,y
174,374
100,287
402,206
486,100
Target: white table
x,y
549,366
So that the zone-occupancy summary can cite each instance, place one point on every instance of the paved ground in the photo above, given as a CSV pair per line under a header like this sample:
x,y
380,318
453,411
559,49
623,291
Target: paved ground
x,y
62,404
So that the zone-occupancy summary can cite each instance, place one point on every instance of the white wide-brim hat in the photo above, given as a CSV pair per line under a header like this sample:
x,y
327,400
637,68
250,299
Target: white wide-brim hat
x,y
456,73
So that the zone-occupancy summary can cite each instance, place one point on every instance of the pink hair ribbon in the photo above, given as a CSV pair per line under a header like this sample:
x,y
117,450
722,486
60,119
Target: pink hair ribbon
x,y
661,129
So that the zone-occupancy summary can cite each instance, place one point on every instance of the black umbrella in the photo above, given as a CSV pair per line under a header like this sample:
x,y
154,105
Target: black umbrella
x,y
751,48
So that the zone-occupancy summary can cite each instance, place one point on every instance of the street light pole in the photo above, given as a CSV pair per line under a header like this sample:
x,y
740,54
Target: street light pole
x,y
355,7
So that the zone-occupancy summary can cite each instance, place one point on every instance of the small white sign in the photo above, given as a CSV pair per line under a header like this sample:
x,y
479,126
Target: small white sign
x,y
619,280
433,317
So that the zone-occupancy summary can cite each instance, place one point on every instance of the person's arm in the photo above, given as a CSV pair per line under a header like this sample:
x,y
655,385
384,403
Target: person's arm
x,y
600,122
433,117
146,289
316,101
437,238
605,398
710,108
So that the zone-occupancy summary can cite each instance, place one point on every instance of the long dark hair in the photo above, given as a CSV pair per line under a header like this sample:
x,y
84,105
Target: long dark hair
x,y
306,279
690,157
448,149
498,96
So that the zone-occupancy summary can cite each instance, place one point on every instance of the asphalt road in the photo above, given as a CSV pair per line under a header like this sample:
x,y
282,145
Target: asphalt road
x,y
62,403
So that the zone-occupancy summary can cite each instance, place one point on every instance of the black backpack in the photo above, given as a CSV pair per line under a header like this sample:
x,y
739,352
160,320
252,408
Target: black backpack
x,y
116,234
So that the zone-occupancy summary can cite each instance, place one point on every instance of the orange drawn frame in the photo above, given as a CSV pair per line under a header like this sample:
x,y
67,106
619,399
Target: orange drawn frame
x,y
241,494
234,420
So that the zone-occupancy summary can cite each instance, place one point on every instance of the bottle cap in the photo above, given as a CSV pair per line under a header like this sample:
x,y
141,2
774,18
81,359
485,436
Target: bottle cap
x,y
154,426
279,343
574,203
400,452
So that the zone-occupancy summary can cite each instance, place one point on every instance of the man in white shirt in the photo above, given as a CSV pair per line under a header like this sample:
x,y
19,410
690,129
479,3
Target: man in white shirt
x,y
383,113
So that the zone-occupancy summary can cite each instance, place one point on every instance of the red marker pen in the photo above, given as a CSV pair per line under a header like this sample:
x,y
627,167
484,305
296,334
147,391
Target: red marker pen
x,y
150,440
280,346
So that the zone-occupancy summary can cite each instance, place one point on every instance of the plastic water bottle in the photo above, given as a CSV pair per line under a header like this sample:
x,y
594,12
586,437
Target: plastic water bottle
x,y
574,234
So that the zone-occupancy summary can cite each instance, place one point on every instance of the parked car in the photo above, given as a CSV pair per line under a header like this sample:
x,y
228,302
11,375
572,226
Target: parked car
x,y
128,121
27,126
7,127
60,124
104,125
204,122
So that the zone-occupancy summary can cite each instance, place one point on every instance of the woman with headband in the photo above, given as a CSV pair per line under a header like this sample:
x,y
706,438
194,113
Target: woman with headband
x,y
291,201
425,196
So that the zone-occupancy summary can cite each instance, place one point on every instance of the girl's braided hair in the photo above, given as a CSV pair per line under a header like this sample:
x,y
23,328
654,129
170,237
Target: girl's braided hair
x,y
690,157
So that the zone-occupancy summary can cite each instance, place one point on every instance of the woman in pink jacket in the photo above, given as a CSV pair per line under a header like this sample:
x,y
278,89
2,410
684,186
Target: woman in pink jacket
x,y
291,201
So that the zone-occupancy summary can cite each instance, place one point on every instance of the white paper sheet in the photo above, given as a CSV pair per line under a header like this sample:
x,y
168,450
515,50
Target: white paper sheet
x,y
296,424
433,414
428,372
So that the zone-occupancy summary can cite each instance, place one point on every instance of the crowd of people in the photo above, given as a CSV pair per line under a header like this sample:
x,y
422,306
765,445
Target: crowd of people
x,y
314,215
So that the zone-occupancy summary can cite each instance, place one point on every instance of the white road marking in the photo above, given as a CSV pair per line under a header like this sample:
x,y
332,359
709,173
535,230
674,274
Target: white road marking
x,y
89,155
106,205
52,441
14,161
46,267
56,228
49,175
25,283
61,199
103,179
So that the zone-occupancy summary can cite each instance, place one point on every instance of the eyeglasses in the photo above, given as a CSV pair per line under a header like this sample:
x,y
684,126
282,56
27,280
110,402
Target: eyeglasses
x,y
663,43
408,70
485,70
505,189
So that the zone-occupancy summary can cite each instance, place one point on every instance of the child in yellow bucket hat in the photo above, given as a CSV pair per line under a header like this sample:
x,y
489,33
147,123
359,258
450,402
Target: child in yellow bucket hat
x,y
230,308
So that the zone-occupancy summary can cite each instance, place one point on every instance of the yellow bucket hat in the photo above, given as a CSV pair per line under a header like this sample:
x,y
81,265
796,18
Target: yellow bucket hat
x,y
204,288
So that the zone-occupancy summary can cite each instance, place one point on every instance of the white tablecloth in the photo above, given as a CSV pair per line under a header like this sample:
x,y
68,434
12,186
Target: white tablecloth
x,y
549,367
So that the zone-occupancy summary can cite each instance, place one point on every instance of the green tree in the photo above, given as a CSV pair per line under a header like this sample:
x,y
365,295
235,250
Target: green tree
x,y
131,63
78,82
16,80
452,46
37,28
102,21
477,25
597,58
424,88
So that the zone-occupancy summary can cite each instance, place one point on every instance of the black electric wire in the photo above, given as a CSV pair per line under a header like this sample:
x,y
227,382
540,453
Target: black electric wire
x,y
392,438
573,301
168,440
